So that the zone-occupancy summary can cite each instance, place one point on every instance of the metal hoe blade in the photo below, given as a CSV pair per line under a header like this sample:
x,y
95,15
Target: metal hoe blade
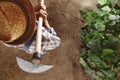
x,y
29,67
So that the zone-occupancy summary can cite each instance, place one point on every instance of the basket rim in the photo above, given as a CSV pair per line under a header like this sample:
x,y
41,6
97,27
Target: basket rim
x,y
29,13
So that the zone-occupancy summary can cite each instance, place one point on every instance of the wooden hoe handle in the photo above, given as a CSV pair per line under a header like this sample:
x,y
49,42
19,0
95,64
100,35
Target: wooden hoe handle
x,y
39,33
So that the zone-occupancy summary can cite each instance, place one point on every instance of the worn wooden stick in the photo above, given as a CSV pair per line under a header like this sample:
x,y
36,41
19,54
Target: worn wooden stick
x,y
39,33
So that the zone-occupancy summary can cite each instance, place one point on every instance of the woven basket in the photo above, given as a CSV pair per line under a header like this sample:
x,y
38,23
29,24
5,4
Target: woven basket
x,y
17,21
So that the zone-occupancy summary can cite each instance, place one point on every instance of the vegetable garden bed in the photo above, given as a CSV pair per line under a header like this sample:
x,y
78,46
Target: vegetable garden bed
x,y
100,40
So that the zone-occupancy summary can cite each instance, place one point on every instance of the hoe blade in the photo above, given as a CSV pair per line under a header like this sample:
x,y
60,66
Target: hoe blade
x,y
29,67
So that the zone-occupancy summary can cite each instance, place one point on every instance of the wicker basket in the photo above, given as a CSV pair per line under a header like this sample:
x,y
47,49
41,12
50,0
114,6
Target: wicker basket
x,y
17,21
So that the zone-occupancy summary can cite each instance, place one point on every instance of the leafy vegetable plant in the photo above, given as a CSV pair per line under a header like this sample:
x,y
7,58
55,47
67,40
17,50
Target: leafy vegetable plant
x,y
100,39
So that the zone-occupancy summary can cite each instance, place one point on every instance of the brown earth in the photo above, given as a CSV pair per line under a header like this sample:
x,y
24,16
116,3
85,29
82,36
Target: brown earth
x,y
65,18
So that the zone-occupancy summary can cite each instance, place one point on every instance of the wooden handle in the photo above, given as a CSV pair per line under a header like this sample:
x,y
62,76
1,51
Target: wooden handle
x,y
42,1
39,33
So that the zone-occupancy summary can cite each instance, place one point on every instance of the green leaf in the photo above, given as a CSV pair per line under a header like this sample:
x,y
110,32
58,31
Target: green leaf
x,y
82,61
83,52
98,62
108,73
92,73
100,26
113,39
94,45
100,74
107,51
108,54
114,17
91,64
117,7
111,42
118,64
98,35
106,8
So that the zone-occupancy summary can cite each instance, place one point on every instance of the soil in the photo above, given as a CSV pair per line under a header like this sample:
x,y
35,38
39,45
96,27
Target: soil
x,y
64,16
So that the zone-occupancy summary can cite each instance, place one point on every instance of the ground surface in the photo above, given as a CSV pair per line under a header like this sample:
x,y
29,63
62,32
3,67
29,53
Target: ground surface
x,y
64,17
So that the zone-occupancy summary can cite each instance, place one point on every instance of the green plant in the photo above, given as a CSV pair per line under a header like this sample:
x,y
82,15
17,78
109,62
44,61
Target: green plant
x,y
100,39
